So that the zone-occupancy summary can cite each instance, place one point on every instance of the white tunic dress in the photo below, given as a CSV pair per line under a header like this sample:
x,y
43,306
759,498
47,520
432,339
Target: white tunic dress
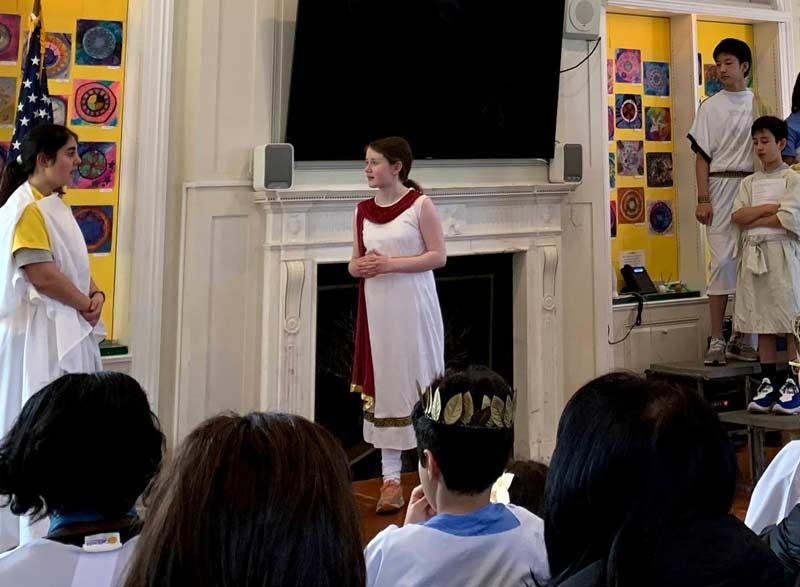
x,y
40,338
768,284
405,331
778,490
721,131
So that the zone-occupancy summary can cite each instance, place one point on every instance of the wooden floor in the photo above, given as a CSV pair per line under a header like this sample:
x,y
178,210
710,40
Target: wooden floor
x,y
367,497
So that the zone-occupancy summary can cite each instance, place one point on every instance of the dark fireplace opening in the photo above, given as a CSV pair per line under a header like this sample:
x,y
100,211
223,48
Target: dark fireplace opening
x,y
475,294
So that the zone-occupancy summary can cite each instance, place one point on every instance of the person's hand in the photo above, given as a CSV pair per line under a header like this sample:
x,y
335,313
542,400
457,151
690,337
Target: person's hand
x,y
92,314
419,508
704,213
380,264
364,266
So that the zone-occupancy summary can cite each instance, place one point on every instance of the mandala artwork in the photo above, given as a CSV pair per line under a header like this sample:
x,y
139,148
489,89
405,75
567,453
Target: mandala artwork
x,y
58,55
59,104
8,101
628,111
612,170
713,85
610,75
96,224
659,170
613,219
630,158
99,42
656,78
610,124
95,103
658,124
9,38
631,206
628,66
98,166
660,217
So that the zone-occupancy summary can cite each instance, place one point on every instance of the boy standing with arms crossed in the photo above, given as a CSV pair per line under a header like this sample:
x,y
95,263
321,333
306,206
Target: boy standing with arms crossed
x,y
720,138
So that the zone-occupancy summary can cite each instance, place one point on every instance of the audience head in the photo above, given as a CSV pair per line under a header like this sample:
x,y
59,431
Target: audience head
x,y
257,500
83,442
50,148
632,457
527,486
465,443
796,95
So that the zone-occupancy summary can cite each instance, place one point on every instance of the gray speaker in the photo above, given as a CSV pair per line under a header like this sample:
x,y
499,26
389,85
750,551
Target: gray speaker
x,y
582,19
567,164
273,166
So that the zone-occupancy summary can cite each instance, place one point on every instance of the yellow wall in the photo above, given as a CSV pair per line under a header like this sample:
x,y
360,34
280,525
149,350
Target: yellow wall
x,y
61,16
652,37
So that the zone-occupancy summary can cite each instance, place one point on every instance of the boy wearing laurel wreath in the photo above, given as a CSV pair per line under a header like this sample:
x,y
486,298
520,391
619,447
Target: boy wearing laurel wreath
x,y
720,138
452,534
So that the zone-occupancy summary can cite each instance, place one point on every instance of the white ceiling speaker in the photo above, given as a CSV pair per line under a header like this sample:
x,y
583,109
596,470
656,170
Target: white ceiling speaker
x,y
582,19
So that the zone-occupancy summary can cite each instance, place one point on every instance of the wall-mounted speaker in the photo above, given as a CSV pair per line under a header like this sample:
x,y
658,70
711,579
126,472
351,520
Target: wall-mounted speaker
x,y
566,166
273,166
582,19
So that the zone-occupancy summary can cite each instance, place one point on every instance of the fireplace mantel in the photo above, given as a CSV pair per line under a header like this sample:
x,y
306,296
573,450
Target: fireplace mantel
x,y
307,227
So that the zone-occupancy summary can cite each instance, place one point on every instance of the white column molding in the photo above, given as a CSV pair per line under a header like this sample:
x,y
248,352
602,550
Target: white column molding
x,y
701,8
152,150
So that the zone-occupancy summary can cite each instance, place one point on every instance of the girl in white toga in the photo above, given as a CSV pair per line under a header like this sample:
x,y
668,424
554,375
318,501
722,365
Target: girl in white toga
x,y
397,243
49,305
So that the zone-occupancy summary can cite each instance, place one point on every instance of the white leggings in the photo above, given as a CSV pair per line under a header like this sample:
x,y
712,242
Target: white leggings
x,y
391,464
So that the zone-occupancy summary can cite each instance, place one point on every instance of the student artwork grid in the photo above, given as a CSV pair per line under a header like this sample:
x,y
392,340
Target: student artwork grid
x,y
98,166
611,123
659,170
612,170
660,217
631,206
96,224
58,56
628,109
95,103
8,101
630,158
713,85
98,42
9,37
60,104
610,76
658,124
628,66
656,78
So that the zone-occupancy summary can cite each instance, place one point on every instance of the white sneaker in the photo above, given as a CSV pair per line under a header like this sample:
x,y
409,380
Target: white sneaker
x,y
716,352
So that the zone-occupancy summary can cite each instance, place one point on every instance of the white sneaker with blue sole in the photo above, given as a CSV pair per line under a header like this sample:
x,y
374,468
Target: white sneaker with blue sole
x,y
789,402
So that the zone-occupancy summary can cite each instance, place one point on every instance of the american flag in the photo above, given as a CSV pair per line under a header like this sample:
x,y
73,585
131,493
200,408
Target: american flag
x,y
34,106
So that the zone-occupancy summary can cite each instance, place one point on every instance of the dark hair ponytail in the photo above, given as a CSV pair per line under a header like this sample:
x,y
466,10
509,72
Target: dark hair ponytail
x,y
44,138
397,149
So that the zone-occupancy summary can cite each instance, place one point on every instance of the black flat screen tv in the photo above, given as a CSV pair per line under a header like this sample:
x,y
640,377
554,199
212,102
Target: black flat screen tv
x,y
460,79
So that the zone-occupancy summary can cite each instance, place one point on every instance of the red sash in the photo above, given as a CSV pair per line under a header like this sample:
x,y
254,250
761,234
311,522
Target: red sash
x,y
363,375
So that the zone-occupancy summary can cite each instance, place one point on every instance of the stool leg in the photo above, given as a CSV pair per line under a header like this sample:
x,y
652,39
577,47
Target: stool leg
x,y
757,461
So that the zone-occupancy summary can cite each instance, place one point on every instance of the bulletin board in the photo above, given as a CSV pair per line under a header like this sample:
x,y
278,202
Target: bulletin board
x,y
640,141
85,62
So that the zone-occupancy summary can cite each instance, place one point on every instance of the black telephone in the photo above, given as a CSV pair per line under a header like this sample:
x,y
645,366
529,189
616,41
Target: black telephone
x,y
637,280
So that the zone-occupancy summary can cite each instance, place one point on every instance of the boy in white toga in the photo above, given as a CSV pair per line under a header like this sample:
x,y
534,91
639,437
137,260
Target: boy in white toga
x,y
767,214
720,137
453,535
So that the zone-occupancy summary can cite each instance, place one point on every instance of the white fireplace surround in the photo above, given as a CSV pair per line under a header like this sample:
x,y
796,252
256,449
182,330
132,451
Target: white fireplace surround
x,y
248,293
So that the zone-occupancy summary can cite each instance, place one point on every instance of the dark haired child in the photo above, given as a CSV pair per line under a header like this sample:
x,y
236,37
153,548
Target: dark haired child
x,y
522,484
452,534
767,214
82,451
720,137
